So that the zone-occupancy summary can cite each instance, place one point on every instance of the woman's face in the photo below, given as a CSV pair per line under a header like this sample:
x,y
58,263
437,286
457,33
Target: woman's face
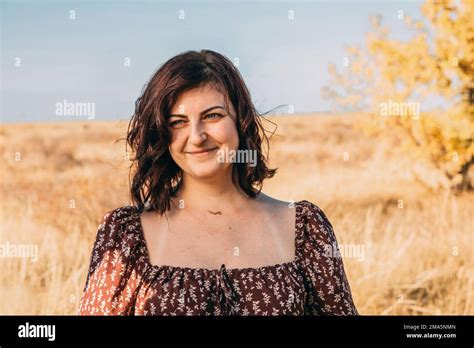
x,y
201,127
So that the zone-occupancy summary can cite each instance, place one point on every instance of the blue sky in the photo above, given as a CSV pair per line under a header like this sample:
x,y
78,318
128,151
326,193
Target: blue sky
x,y
283,61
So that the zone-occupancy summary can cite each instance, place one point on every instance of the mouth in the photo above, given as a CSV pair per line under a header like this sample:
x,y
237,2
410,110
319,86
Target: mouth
x,y
203,152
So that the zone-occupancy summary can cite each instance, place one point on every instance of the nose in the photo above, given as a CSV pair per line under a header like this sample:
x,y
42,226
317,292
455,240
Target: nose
x,y
198,134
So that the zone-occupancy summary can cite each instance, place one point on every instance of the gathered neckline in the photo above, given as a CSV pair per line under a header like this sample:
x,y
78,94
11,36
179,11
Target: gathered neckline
x,y
288,264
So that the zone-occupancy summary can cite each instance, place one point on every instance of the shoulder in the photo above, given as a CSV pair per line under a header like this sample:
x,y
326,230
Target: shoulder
x,y
307,210
117,226
273,205
314,215
117,215
315,231
148,217
280,213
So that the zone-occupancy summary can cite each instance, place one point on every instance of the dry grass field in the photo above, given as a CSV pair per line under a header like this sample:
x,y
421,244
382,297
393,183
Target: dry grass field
x,y
59,179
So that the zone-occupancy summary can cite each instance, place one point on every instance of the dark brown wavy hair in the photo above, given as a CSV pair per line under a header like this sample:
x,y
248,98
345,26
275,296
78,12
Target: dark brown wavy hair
x,y
157,177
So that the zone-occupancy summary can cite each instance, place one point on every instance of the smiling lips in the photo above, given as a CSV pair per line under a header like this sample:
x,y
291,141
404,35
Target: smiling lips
x,y
200,153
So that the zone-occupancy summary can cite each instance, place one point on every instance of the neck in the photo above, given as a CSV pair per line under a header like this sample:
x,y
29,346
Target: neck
x,y
214,195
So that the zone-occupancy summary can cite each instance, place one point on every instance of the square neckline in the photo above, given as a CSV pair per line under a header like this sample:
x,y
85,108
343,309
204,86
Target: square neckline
x,y
188,269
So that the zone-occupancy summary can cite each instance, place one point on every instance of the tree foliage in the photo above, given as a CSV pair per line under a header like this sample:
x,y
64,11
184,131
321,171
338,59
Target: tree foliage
x,y
435,63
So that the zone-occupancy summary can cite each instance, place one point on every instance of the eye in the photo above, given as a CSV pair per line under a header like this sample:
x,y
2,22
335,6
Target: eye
x,y
216,116
175,123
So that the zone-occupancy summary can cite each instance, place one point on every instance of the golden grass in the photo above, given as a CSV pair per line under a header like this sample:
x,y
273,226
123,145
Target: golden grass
x,y
417,244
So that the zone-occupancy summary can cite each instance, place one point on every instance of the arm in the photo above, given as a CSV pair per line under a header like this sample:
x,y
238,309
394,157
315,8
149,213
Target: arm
x,y
328,290
111,278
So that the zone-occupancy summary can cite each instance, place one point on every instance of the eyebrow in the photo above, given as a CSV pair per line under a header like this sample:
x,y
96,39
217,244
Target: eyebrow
x,y
202,112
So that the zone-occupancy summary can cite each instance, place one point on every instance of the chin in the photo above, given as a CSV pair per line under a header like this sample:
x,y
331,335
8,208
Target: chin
x,y
206,171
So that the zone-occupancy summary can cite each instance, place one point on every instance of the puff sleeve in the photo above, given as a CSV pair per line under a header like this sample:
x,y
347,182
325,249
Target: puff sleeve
x,y
327,288
114,272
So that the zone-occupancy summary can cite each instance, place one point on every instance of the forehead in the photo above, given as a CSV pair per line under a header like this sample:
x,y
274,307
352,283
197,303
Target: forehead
x,y
198,99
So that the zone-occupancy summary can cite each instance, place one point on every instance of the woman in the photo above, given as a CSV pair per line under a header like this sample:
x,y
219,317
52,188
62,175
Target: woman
x,y
201,238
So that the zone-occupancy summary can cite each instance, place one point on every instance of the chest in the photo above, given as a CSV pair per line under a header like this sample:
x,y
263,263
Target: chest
x,y
268,291
210,241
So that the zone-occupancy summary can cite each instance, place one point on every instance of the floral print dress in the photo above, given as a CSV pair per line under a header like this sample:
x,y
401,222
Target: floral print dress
x,y
122,281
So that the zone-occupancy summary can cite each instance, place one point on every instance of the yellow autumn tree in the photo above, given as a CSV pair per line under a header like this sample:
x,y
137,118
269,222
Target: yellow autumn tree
x,y
396,80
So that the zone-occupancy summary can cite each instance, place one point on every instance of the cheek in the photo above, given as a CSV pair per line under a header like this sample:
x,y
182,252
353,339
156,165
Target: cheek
x,y
176,146
226,133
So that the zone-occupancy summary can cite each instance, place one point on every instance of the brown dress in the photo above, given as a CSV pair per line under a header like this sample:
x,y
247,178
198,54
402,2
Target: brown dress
x,y
122,281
